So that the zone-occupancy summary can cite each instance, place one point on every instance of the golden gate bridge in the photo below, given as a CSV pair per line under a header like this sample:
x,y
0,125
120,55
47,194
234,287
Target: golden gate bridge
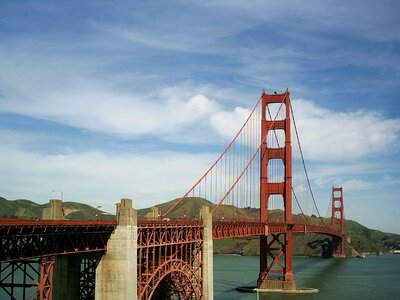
x,y
169,253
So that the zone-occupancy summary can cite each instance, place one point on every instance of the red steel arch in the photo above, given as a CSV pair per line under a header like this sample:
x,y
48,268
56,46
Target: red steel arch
x,y
188,283
173,248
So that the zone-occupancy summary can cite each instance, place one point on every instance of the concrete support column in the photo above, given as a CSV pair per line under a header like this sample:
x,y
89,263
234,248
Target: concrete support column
x,y
154,214
208,262
66,271
66,277
54,211
116,274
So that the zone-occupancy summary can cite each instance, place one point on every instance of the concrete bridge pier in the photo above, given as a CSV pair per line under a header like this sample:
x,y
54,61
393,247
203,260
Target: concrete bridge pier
x,y
208,263
116,273
66,270
54,211
154,213
66,277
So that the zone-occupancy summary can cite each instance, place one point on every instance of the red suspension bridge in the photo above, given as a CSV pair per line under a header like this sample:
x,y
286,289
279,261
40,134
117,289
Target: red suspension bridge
x,y
133,258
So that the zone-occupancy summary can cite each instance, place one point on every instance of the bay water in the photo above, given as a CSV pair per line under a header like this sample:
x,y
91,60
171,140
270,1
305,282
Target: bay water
x,y
375,277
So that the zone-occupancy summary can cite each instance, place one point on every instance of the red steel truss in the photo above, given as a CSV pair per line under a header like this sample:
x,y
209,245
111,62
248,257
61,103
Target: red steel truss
x,y
231,229
87,280
338,220
19,279
169,252
22,239
170,259
276,252
45,285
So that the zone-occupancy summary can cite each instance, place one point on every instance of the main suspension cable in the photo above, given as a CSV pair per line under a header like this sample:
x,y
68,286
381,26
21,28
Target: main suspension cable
x,y
215,163
294,193
304,164
251,159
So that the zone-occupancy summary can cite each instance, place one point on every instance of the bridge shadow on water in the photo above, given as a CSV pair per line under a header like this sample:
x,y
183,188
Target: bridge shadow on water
x,y
316,272
326,246
233,271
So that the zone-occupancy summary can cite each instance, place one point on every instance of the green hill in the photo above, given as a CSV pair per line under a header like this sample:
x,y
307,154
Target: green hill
x,y
191,208
361,239
26,209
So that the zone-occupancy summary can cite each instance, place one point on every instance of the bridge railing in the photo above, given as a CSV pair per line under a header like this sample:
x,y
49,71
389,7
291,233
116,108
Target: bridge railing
x,y
9,226
228,229
169,223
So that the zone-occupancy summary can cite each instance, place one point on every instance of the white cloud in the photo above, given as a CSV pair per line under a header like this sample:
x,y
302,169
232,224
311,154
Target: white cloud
x,y
389,180
354,184
111,112
67,94
228,123
97,178
327,16
329,135
184,112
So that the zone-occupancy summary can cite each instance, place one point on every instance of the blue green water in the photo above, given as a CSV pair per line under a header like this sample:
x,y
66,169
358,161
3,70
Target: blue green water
x,y
376,277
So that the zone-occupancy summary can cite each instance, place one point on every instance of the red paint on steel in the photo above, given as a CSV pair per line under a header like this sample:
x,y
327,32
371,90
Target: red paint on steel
x,y
214,164
170,252
45,286
338,217
267,189
232,229
24,239
229,229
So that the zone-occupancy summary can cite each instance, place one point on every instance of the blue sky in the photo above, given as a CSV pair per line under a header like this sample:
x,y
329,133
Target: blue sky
x,y
136,99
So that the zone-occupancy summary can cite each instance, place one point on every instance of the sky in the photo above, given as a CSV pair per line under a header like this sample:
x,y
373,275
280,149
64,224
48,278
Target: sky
x,y
135,99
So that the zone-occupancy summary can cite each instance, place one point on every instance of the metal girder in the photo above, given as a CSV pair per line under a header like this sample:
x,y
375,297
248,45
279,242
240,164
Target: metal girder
x,y
338,220
268,259
275,249
23,239
45,285
228,229
22,246
19,279
170,253
87,280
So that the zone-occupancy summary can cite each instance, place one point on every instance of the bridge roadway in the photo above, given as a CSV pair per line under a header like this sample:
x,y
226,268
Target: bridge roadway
x,y
23,239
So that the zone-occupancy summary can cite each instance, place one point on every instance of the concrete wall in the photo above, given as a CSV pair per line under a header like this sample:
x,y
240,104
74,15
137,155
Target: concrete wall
x,y
154,214
208,262
116,274
66,277
54,211
66,272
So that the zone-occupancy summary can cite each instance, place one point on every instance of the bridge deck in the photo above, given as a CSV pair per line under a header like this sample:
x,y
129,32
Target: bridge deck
x,y
229,229
22,239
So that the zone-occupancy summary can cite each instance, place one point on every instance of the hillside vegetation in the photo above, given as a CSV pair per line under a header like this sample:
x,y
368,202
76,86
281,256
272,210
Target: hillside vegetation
x,y
26,209
361,239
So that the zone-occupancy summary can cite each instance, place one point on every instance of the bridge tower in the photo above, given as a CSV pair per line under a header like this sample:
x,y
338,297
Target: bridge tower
x,y
276,250
338,221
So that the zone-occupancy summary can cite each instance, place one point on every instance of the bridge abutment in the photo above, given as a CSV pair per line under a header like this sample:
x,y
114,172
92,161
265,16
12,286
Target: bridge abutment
x,y
208,262
116,273
66,270
66,277
54,211
154,214
278,285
